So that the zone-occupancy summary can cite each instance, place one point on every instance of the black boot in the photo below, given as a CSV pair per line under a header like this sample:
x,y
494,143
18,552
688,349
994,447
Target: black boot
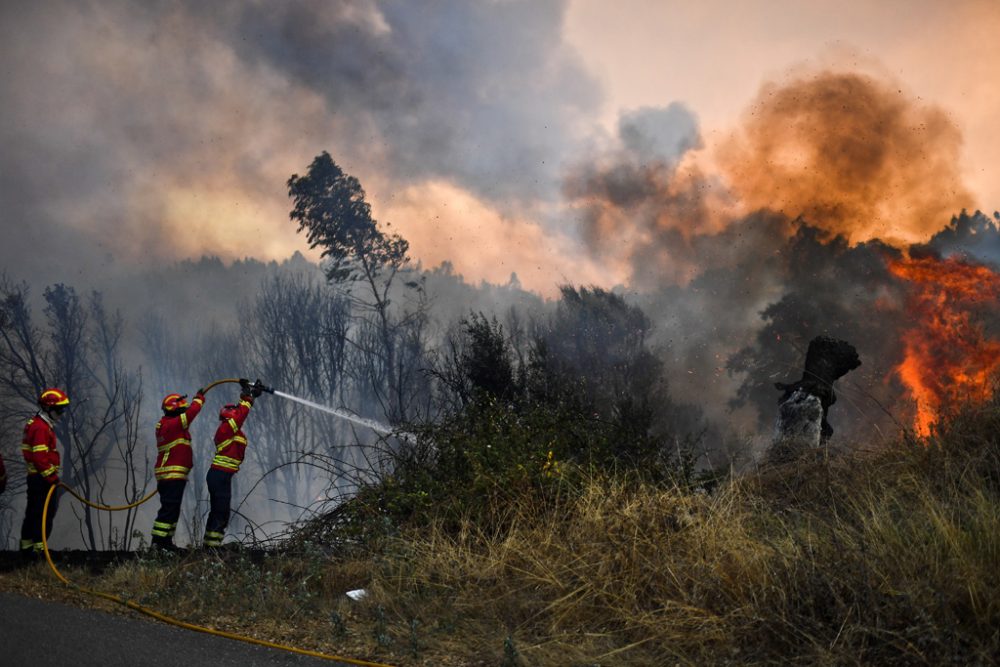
x,y
165,545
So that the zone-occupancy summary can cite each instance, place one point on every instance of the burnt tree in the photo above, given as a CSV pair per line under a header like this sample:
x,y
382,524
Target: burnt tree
x,y
805,404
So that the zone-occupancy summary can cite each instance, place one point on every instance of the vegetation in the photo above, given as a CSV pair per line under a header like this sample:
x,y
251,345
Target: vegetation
x,y
528,421
544,503
76,347
884,558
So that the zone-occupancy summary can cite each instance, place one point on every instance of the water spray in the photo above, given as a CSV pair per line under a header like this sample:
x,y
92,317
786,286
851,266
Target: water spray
x,y
378,427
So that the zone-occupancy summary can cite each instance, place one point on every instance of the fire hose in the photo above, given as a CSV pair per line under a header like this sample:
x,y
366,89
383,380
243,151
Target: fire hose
x,y
155,614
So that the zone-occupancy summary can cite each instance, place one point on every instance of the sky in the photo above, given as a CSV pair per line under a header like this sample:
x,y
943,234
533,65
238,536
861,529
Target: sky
x,y
138,134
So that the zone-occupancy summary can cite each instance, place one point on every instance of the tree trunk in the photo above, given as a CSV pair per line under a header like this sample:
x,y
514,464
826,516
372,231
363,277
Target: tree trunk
x,y
803,407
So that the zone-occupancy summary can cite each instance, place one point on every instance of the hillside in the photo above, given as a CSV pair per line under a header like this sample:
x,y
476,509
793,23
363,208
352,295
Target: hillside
x,y
885,556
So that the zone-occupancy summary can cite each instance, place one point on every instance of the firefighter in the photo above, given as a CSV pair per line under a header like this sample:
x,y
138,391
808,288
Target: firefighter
x,y
42,460
174,460
230,448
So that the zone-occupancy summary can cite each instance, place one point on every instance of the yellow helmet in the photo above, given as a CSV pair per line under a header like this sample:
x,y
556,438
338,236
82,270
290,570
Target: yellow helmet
x,y
52,398
174,402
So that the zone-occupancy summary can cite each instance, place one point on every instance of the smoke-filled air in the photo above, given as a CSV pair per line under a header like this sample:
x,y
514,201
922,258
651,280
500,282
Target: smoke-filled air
x,y
426,258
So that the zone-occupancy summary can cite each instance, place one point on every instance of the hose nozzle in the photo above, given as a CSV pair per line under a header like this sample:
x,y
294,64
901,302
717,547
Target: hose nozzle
x,y
255,389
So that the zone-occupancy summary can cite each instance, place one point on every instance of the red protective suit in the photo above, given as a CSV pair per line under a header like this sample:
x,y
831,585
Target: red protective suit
x,y
174,457
230,441
42,460
39,449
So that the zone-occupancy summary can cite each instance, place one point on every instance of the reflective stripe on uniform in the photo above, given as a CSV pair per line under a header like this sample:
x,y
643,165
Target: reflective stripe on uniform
x,y
228,441
163,529
173,443
213,538
226,462
171,472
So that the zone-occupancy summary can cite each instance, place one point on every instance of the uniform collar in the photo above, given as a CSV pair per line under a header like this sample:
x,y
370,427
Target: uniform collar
x,y
46,418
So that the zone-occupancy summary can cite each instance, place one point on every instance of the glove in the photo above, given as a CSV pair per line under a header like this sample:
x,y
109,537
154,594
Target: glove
x,y
257,389
200,392
245,385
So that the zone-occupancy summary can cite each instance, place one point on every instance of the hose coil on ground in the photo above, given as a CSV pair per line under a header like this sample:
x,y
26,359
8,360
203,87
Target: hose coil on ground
x,y
155,614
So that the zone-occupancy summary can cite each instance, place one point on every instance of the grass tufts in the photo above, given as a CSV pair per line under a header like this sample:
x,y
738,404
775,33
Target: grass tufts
x,y
890,557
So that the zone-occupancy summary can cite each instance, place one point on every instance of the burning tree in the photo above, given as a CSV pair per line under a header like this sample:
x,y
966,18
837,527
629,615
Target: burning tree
x,y
804,404
949,356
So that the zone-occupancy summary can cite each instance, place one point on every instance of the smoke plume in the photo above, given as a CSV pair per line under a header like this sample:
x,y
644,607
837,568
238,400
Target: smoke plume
x,y
152,132
828,179
850,154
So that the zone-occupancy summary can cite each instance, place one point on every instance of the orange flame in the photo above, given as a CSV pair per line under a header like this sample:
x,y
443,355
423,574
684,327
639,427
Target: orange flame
x,y
948,358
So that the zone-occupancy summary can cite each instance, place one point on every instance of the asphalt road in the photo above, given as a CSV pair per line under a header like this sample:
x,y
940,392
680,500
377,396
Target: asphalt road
x,y
42,633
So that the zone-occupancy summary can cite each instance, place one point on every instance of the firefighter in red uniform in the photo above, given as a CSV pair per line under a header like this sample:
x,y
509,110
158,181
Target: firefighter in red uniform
x,y
230,448
42,459
174,460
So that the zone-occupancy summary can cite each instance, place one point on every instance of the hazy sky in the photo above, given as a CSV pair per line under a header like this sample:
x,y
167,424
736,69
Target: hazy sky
x,y
145,132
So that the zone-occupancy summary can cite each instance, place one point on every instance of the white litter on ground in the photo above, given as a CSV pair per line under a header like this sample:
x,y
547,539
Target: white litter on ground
x,y
356,594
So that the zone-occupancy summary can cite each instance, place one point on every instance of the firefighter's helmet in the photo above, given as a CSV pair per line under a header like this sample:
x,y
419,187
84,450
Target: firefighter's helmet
x,y
53,398
174,402
228,411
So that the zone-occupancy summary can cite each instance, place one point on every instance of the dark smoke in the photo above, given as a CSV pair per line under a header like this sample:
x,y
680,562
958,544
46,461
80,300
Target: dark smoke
x,y
119,117
637,203
830,164
482,94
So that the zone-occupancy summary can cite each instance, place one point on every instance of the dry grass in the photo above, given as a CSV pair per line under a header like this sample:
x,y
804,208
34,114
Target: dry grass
x,y
890,558
885,559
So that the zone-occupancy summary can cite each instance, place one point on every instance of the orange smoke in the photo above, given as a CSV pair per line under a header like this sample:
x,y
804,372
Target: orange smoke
x,y
948,358
850,154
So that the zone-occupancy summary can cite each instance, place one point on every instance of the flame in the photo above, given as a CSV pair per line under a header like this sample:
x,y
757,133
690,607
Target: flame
x,y
948,357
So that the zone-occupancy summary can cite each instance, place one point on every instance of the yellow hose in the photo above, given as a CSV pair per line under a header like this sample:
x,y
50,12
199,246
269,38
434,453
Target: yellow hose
x,y
156,614
118,508
218,382
110,508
